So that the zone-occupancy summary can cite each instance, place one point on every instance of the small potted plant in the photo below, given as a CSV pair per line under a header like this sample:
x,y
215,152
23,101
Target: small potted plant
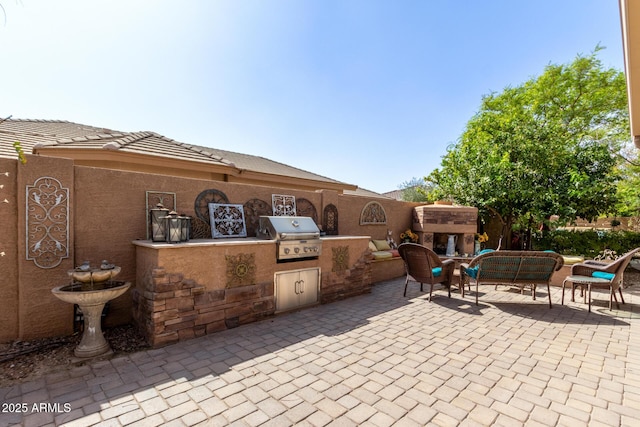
x,y
481,239
409,237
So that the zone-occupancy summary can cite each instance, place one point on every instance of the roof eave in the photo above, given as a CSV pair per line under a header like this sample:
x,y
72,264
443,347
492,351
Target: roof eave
x,y
630,14
300,182
110,155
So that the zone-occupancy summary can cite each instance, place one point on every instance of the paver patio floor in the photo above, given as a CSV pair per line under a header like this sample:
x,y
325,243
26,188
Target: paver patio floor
x,y
375,360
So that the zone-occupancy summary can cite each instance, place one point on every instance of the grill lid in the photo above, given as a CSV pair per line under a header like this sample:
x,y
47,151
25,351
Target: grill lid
x,y
287,228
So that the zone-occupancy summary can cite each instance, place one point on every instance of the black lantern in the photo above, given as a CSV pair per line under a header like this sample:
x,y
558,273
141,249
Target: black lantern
x,y
173,227
186,227
156,221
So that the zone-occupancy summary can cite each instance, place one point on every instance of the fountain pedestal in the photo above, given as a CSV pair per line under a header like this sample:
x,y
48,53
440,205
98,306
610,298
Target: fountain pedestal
x,y
91,296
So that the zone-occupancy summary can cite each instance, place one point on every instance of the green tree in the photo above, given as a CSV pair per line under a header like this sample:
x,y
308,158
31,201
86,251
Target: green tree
x,y
415,190
629,185
543,148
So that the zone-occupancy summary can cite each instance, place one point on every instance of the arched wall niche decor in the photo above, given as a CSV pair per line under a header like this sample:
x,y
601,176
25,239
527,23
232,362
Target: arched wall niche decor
x,y
330,220
304,207
373,213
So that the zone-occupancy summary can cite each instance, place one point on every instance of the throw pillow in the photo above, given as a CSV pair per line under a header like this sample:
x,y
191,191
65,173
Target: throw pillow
x,y
382,245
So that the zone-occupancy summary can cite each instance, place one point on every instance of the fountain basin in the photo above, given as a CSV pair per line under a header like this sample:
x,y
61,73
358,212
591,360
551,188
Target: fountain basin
x,y
94,275
91,299
84,293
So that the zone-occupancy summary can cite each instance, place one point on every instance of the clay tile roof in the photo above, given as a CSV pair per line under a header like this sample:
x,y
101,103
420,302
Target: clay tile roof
x,y
63,135
263,165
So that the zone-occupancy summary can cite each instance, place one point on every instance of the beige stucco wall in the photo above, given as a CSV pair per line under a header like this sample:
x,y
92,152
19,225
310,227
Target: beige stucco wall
x,y
27,304
107,211
9,250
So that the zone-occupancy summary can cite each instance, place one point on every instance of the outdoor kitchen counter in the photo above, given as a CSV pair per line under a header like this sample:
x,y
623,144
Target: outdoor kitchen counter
x,y
188,289
230,241
203,242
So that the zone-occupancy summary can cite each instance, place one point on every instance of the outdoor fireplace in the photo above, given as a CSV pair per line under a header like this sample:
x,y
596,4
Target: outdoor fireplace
x,y
435,223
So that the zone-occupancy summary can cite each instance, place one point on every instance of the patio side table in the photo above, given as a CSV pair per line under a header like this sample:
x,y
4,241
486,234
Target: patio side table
x,y
588,281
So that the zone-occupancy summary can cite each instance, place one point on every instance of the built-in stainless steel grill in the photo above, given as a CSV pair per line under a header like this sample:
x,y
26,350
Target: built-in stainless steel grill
x,y
295,236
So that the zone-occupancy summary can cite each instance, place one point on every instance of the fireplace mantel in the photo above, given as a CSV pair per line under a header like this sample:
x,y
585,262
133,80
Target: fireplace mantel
x,y
430,222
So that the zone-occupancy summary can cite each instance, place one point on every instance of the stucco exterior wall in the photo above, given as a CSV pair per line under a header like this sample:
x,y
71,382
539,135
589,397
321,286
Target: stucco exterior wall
x,y
27,304
106,213
9,251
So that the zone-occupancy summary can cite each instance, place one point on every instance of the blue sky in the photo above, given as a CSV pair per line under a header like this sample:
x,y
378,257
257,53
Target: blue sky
x,y
366,92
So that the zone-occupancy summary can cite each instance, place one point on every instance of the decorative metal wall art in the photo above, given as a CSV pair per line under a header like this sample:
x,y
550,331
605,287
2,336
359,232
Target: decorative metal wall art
x,y
241,269
47,222
340,259
200,229
330,220
305,208
253,210
200,224
283,205
167,199
227,220
201,205
373,213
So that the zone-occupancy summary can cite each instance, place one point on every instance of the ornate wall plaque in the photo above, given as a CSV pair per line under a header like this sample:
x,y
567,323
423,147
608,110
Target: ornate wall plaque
x,y
283,205
47,222
340,259
253,210
305,208
330,220
227,220
167,199
373,213
241,269
201,223
199,229
201,205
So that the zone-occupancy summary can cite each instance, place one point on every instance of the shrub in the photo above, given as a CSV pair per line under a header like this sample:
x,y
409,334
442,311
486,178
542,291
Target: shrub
x,y
585,243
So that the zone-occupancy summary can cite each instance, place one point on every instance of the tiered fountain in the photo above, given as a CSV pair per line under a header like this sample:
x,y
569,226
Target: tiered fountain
x,y
91,288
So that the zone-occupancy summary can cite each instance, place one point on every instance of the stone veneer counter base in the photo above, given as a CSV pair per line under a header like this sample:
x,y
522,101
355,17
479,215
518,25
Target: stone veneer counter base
x,y
190,289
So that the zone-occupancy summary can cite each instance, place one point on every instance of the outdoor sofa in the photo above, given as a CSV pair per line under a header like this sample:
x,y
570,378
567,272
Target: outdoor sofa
x,y
513,268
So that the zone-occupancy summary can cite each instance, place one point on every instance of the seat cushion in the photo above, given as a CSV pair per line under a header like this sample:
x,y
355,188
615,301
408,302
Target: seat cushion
x,y
603,275
395,253
436,271
382,255
472,272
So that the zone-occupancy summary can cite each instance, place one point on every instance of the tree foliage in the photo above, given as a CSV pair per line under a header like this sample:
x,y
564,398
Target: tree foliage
x,y
546,147
628,203
415,190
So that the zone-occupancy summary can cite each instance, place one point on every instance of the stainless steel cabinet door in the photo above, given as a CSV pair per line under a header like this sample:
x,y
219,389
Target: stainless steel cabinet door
x,y
308,286
296,288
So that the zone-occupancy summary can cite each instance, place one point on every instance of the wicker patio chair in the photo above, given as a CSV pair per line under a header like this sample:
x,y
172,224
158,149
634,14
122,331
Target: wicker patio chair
x,y
424,266
599,275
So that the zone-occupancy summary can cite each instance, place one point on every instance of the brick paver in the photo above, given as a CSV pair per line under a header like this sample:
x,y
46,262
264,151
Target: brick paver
x,y
377,360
